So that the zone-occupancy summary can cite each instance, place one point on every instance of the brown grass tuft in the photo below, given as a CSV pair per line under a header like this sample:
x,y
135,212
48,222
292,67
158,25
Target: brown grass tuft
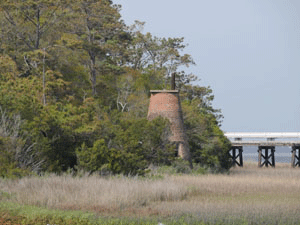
x,y
250,192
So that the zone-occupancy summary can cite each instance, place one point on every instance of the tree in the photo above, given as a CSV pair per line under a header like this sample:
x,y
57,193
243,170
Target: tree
x,y
161,56
79,81
16,157
98,33
133,145
29,26
208,145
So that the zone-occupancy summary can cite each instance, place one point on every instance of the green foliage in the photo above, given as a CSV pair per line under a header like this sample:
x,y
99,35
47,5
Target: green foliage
x,y
133,145
208,145
178,167
99,39
95,158
78,78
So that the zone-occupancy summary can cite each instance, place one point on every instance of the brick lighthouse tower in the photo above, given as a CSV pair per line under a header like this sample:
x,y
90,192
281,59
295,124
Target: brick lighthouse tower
x,y
166,103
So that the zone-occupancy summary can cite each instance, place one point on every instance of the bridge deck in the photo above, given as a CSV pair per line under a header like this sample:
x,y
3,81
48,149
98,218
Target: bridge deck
x,y
262,134
265,143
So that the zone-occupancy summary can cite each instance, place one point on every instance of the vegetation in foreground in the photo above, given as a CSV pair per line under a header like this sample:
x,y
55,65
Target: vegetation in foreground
x,y
248,195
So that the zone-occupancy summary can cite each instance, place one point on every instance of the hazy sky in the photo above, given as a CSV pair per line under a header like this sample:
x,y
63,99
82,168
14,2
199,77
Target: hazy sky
x,y
248,51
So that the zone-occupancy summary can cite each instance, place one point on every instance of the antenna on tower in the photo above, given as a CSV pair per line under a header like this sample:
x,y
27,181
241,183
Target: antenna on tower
x,y
173,84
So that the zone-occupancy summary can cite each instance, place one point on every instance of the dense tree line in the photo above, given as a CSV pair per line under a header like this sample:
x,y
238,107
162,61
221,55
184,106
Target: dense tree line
x,y
74,92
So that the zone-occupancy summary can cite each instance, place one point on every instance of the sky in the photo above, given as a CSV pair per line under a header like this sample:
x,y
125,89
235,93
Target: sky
x,y
247,51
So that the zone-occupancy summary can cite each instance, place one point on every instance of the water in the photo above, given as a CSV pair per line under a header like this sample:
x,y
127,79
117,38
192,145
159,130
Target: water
x,y
279,158
282,154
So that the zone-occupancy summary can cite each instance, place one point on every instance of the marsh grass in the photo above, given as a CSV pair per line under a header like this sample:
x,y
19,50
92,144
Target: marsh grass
x,y
248,195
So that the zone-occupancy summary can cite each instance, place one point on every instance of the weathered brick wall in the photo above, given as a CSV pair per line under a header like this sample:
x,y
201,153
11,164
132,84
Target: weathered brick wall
x,y
167,104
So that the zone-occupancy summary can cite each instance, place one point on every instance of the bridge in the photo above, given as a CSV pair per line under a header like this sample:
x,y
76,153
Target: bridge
x,y
266,143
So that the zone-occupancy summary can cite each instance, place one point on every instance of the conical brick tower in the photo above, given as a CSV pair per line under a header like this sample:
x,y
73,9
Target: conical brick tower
x,y
166,103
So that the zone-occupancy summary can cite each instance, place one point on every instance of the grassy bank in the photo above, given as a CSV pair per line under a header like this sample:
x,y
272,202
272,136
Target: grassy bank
x,y
248,195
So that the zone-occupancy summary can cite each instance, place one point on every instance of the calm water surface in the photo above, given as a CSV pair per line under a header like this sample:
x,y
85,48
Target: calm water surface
x,y
282,154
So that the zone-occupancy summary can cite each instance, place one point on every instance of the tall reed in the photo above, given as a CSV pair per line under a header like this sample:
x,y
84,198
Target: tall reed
x,y
251,193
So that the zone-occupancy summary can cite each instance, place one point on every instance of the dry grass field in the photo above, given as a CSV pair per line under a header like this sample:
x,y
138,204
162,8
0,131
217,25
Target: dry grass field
x,y
250,195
